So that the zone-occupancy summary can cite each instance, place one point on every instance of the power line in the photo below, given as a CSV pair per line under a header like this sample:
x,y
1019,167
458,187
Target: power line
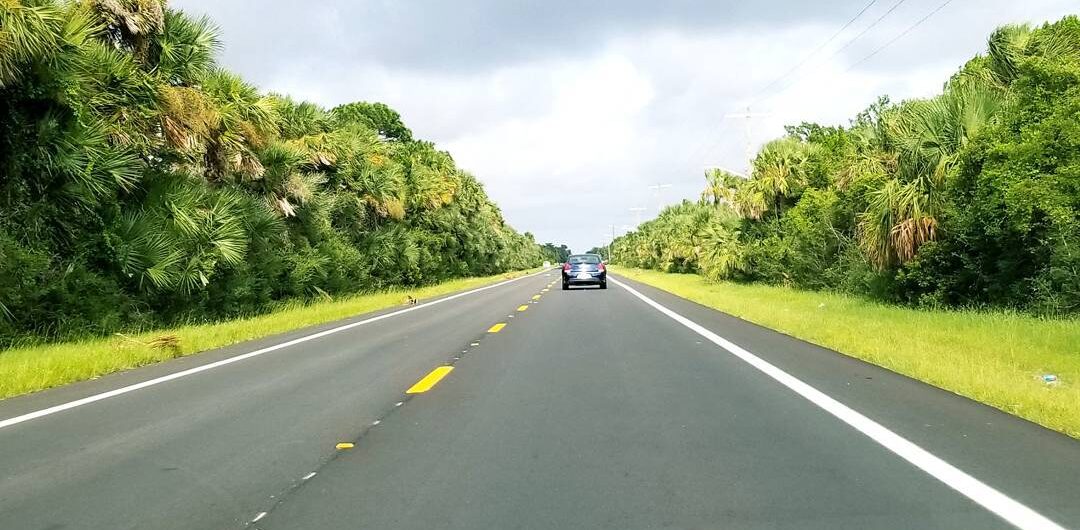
x,y
819,48
749,138
846,45
660,200
896,5
901,35
807,58
868,28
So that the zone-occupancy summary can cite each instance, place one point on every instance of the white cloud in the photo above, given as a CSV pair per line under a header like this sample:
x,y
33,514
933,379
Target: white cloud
x,y
595,107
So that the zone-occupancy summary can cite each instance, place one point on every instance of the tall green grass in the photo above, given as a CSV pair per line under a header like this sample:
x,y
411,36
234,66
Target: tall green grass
x,y
32,368
997,358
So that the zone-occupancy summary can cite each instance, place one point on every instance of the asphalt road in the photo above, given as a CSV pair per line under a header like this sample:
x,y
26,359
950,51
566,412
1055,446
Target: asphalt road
x,y
589,409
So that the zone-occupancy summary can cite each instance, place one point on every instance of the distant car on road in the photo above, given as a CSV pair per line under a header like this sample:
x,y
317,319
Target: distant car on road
x,y
584,269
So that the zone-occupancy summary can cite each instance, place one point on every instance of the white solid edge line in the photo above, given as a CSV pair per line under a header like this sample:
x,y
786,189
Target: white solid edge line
x,y
989,498
191,371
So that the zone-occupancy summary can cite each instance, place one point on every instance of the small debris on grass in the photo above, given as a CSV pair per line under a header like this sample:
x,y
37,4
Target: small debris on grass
x,y
170,343
164,342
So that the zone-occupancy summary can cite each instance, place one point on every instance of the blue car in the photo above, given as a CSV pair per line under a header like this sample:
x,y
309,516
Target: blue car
x,y
584,269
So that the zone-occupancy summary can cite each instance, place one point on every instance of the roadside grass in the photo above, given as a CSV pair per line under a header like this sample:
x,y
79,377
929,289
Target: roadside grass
x,y
996,358
33,368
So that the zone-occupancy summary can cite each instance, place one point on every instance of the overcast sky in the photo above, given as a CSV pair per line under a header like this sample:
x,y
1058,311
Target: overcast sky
x,y
568,110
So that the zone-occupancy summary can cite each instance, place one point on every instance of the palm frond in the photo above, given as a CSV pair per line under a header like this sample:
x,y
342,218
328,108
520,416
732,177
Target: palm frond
x,y
186,47
28,33
1006,47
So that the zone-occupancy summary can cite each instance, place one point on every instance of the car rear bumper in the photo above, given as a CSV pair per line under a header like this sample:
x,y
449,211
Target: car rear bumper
x,y
595,278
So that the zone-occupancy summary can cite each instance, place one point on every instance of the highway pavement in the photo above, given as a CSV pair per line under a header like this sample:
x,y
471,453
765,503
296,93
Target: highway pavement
x,y
525,406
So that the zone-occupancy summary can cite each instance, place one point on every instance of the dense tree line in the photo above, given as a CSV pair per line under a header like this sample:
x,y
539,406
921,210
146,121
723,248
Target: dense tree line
x,y
969,198
555,254
143,184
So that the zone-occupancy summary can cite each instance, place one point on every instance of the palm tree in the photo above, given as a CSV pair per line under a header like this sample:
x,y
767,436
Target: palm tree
x,y
298,120
131,24
870,160
430,176
181,235
752,198
284,184
1006,47
927,135
779,174
722,254
245,123
720,187
900,218
189,120
185,49
780,169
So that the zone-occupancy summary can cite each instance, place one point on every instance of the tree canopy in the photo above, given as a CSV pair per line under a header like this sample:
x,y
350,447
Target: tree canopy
x,y
142,184
968,198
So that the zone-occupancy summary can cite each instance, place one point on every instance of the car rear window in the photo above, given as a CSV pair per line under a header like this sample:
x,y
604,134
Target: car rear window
x,y
589,259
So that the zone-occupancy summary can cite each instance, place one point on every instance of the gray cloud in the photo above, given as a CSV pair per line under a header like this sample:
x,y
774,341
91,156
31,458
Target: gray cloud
x,y
463,37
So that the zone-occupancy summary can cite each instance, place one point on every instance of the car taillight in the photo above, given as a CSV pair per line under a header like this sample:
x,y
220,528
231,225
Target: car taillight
x,y
601,267
566,266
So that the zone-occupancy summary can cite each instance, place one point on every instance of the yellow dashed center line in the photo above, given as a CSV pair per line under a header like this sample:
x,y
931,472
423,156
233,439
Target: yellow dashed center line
x,y
497,327
544,290
536,297
522,308
429,380
344,445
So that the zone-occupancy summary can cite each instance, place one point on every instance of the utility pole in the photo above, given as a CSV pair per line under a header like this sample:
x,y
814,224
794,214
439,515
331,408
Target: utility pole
x,y
749,140
656,189
637,214
610,242
611,245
